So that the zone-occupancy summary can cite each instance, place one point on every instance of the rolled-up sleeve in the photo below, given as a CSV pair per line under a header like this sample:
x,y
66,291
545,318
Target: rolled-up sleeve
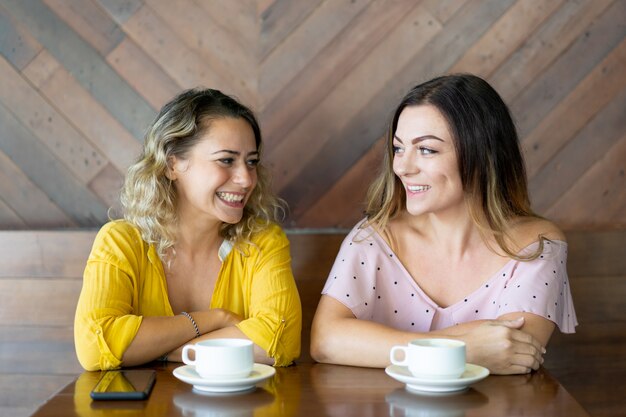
x,y
274,312
105,323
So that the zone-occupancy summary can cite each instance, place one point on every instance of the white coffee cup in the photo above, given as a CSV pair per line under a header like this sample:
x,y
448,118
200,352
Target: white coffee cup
x,y
432,358
221,358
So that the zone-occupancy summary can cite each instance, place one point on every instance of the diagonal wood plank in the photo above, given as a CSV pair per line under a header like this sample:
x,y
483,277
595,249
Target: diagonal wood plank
x,y
143,73
29,203
94,121
177,60
16,43
304,43
544,46
242,24
279,19
48,173
505,36
443,10
50,127
40,69
207,39
589,97
593,44
330,66
9,219
343,204
120,10
107,185
92,23
374,75
556,177
602,185
84,63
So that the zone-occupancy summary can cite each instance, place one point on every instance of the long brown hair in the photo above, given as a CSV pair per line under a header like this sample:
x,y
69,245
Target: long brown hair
x,y
489,158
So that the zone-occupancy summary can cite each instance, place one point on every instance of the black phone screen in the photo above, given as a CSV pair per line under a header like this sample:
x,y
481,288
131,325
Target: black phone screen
x,y
133,384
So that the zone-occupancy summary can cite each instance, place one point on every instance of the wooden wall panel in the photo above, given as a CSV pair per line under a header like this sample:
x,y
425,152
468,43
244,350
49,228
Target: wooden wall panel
x,y
323,76
84,62
27,200
278,19
16,44
603,35
317,80
214,47
589,97
142,73
542,47
90,22
577,156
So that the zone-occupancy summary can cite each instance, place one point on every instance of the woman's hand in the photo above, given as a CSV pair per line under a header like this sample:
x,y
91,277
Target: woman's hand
x,y
502,347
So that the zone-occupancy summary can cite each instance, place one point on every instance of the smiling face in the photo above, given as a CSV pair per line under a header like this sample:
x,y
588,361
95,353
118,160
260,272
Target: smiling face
x,y
217,177
425,161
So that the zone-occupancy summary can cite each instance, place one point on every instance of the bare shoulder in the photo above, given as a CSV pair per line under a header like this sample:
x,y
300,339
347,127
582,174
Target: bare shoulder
x,y
527,230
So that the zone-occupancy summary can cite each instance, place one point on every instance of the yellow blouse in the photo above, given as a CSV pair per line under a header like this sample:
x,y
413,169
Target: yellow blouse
x,y
124,280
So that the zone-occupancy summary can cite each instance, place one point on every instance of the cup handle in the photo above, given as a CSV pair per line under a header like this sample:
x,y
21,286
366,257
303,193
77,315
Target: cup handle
x,y
392,355
185,354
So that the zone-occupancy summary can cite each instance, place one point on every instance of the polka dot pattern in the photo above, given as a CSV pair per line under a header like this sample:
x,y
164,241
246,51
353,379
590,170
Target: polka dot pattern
x,y
371,281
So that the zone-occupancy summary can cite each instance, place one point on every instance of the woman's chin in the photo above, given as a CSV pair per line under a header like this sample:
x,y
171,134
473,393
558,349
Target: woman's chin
x,y
231,219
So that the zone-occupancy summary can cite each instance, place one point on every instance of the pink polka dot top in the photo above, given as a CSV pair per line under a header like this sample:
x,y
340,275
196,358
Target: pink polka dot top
x,y
369,279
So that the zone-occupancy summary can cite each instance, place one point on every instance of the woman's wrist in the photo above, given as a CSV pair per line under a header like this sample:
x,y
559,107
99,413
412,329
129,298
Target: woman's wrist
x,y
214,319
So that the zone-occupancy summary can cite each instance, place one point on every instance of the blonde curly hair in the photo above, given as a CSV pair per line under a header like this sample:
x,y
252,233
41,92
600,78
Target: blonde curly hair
x,y
149,199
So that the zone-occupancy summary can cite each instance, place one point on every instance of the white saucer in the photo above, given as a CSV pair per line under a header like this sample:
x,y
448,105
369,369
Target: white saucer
x,y
188,374
473,373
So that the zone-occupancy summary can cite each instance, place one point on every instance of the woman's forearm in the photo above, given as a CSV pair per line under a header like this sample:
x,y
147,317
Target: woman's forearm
x,y
161,335
232,332
349,341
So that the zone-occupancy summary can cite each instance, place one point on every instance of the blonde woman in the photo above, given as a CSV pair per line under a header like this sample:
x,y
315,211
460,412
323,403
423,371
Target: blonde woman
x,y
198,254
450,247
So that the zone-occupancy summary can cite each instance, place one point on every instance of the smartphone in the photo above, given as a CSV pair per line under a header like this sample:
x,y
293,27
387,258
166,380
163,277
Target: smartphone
x,y
134,384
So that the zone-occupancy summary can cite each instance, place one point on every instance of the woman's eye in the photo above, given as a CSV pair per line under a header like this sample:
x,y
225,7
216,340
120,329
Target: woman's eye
x,y
427,151
397,149
253,162
226,161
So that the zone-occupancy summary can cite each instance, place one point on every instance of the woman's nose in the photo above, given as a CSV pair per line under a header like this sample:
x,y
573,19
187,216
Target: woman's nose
x,y
405,164
243,176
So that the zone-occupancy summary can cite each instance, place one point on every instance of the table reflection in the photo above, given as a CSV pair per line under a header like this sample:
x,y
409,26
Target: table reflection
x,y
404,404
197,404
510,395
344,391
325,390
279,396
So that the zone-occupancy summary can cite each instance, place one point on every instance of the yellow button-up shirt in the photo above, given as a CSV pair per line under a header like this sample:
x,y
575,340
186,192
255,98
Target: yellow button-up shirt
x,y
124,281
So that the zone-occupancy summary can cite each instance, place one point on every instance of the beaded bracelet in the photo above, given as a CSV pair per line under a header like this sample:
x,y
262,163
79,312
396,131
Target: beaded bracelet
x,y
195,326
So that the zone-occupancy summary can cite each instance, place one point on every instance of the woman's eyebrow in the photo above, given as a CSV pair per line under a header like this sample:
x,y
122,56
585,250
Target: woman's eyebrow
x,y
419,139
229,151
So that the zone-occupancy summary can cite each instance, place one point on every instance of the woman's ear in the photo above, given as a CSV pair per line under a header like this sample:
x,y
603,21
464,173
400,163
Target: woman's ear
x,y
170,173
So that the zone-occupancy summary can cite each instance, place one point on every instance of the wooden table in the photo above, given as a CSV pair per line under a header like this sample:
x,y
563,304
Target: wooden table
x,y
325,390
